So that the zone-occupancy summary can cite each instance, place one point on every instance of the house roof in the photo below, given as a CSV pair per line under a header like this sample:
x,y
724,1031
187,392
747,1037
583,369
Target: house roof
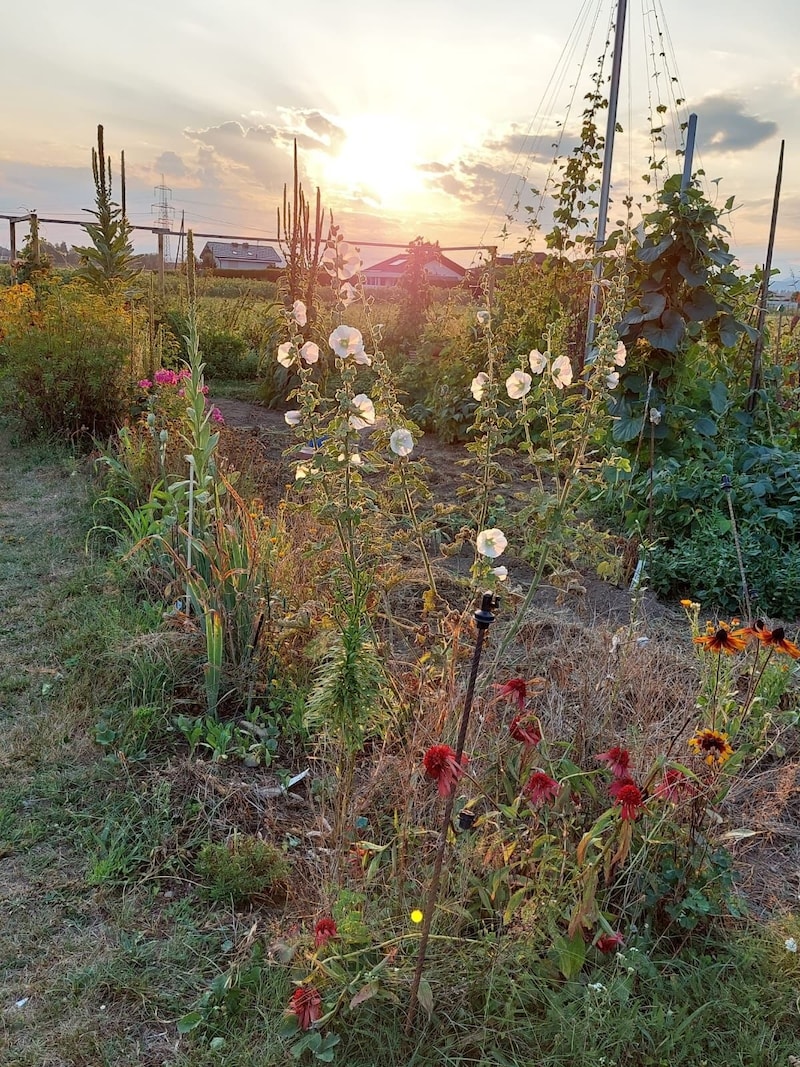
x,y
247,253
437,265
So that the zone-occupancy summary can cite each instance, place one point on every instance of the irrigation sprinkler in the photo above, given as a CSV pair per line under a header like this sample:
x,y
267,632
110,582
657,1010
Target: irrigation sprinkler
x,y
484,618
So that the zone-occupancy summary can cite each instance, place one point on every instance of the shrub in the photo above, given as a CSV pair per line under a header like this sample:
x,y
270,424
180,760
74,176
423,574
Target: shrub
x,y
67,358
241,870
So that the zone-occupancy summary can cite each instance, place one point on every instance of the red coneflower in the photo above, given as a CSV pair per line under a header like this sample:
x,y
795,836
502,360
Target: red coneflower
x,y
515,690
712,746
440,764
324,931
618,760
525,730
723,639
674,787
306,1004
540,788
628,796
609,942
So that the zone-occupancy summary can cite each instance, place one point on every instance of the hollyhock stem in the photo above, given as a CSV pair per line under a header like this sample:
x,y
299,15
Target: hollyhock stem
x,y
483,619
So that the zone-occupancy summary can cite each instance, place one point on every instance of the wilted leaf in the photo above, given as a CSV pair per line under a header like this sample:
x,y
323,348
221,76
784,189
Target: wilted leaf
x,y
365,993
425,996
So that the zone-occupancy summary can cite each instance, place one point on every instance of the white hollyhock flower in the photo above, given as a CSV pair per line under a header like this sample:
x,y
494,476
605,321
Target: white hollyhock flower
x,y
518,384
491,543
364,412
347,294
401,442
286,354
620,355
483,317
562,372
309,352
538,361
302,470
293,418
478,386
299,313
347,341
612,379
500,573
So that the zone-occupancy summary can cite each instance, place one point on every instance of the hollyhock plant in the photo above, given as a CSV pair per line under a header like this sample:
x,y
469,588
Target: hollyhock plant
x,y
537,361
364,412
612,379
306,1004
347,295
518,384
440,764
618,761
286,354
491,543
541,788
309,353
401,442
561,372
324,931
500,573
299,313
346,341
478,385
620,354
525,730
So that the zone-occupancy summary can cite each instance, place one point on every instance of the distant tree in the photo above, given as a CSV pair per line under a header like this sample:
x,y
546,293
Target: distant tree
x,y
415,292
109,262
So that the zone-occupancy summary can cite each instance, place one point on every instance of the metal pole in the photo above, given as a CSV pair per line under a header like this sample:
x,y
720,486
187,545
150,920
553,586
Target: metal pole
x,y
483,619
688,157
608,159
12,242
161,264
755,369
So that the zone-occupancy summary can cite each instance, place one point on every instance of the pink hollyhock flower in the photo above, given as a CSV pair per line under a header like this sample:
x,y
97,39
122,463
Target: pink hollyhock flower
x,y
610,942
541,788
306,1004
525,730
618,760
324,931
440,764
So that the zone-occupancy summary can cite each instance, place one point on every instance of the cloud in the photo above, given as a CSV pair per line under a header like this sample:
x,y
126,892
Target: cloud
x,y
724,126
517,140
171,163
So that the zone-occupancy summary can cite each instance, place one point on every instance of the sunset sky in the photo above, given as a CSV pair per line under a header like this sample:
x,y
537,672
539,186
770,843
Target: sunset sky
x,y
429,117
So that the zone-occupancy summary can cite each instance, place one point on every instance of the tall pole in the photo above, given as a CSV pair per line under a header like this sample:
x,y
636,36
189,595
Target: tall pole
x,y
608,160
755,369
688,157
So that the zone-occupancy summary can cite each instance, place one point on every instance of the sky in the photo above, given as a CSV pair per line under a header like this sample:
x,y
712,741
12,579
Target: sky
x,y
433,118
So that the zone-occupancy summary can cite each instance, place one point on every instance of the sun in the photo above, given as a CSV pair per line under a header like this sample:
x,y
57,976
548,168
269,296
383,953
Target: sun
x,y
377,162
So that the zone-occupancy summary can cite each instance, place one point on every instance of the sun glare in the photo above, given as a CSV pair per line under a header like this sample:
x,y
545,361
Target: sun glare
x,y
377,162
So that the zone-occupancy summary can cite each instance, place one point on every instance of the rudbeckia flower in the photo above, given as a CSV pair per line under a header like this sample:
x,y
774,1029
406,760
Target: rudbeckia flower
x,y
440,764
776,638
540,788
723,639
712,746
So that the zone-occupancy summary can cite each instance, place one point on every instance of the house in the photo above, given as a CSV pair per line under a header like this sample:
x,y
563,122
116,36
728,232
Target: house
x,y
234,257
439,269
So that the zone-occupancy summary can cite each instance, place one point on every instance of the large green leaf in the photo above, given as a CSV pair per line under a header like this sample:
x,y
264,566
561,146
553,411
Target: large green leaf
x,y
718,395
666,334
701,306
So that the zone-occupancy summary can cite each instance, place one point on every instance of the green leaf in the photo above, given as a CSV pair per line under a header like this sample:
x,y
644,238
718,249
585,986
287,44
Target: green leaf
x,y
189,1022
570,954
718,395
627,428
666,334
729,330
706,427
701,306
425,996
